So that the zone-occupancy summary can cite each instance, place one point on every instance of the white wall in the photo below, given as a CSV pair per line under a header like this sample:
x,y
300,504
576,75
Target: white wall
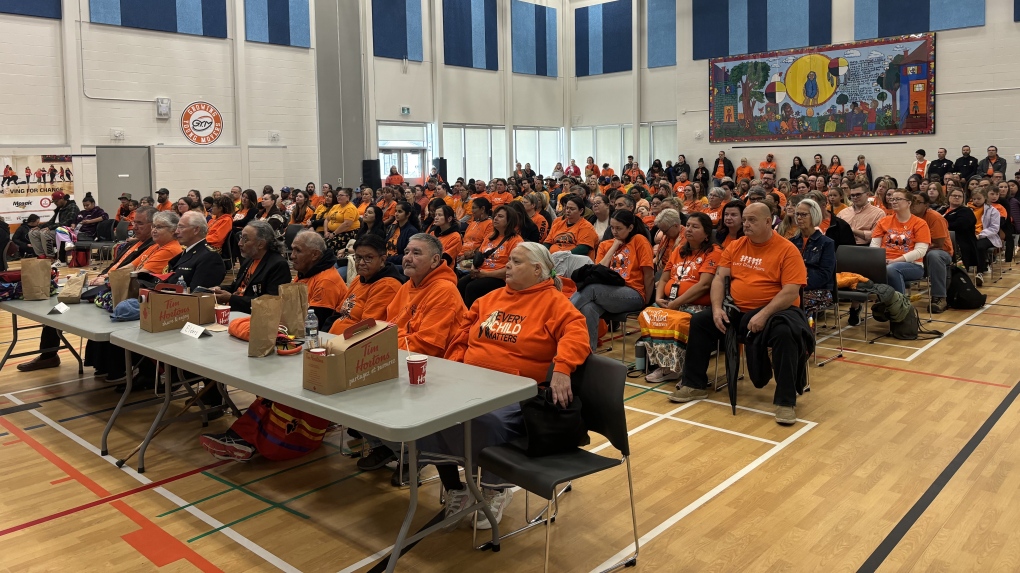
x,y
65,85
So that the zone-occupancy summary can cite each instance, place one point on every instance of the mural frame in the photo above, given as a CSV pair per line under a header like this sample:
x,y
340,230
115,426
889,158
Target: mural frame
x,y
855,121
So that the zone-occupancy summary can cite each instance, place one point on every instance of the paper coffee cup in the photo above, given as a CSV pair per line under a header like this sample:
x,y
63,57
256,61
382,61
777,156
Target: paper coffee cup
x,y
416,364
222,314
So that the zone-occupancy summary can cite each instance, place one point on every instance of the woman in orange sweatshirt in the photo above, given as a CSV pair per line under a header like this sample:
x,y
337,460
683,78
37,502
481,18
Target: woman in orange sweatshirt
x,y
446,228
519,329
370,293
221,223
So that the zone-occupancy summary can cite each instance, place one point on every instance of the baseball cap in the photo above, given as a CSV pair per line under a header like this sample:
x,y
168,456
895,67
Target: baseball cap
x,y
124,196
57,195
163,191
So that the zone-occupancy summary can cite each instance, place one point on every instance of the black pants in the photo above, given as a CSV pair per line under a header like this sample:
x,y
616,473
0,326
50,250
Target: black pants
x,y
984,245
473,289
704,337
50,338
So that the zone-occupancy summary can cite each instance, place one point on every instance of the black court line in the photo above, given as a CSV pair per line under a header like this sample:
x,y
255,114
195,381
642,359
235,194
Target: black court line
x,y
990,326
19,408
900,530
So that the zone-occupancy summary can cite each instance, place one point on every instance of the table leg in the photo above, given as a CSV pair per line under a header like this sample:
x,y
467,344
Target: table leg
x,y
116,411
398,546
167,398
14,340
81,365
473,487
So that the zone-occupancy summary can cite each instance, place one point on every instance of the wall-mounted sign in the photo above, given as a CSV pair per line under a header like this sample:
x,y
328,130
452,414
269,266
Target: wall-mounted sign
x,y
201,123
28,182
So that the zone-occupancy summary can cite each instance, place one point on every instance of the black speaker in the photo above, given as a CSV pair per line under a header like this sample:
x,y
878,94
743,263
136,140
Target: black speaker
x,y
370,173
440,164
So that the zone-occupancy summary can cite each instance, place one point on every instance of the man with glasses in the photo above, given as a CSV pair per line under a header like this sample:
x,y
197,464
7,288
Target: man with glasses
x,y
199,265
263,268
940,251
992,164
862,217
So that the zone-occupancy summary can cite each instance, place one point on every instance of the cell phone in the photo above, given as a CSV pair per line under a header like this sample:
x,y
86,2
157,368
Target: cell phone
x,y
202,290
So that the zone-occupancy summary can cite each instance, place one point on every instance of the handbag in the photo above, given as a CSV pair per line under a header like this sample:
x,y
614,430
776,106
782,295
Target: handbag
x,y
479,258
552,429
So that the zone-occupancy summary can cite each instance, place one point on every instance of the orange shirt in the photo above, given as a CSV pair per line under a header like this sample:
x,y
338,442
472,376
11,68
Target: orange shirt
x,y
476,234
427,316
921,166
395,179
219,228
160,207
629,261
362,208
939,229
1002,211
501,255
685,272
326,289
714,214
156,258
679,186
759,272
899,238
461,207
316,200
633,173
389,211
766,165
695,205
563,237
745,172
522,332
498,199
542,224
365,300
720,169
839,169
451,203
303,217
130,218
124,256
452,244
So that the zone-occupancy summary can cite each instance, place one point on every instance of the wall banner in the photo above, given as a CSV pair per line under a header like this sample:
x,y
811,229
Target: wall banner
x,y
882,87
28,181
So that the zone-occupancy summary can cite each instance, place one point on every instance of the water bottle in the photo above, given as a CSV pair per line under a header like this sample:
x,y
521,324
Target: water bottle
x,y
640,356
311,330
182,284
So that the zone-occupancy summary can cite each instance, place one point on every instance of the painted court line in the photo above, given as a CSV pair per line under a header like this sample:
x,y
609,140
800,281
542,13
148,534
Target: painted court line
x,y
933,375
665,525
952,329
204,517
707,427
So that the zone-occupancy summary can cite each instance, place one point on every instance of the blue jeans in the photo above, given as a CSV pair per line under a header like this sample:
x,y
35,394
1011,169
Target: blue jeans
x,y
899,273
938,270
595,300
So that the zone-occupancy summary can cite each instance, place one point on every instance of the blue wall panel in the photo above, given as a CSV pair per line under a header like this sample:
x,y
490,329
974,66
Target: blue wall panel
x,y
661,33
533,37
396,29
41,8
300,24
470,34
581,46
214,18
735,27
195,17
884,18
158,15
541,60
711,38
279,21
602,38
552,47
412,15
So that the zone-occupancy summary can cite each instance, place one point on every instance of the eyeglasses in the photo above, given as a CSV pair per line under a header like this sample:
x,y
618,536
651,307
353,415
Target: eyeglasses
x,y
798,214
855,195
894,199
359,259
755,199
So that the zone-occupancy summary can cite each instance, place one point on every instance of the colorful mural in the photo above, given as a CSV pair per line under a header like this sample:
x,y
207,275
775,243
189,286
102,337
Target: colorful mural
x,y
861,89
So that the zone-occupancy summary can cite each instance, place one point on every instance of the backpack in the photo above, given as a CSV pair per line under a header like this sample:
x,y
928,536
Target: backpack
x,y
904,322
960,292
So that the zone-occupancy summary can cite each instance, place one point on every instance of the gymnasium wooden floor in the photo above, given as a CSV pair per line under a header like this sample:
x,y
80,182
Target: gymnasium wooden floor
x,y
905,460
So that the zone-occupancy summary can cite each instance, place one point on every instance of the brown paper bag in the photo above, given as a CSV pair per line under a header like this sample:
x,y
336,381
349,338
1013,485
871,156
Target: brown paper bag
x,y
295,308
265,324
122,286
71,293
36,275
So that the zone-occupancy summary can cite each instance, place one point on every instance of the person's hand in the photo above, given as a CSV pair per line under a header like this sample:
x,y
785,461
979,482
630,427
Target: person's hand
x,y
475,273
720,318
662,303
560,384
222,297
617,243
757,322
98,281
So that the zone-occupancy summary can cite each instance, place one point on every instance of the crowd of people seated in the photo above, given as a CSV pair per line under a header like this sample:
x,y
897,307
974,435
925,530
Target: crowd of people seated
x,y
518,273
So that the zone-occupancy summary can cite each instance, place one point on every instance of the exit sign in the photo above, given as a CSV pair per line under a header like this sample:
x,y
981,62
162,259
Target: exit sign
x,y
405,111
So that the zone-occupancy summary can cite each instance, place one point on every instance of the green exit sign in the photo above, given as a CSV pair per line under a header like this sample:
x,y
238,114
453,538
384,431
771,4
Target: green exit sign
x,y
405,111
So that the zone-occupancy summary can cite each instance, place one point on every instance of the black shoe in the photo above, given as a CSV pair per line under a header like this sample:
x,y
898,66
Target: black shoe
x,y
377,459
39,363
855,317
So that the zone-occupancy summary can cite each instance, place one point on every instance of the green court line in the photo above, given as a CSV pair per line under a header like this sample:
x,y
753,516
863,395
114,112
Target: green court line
x,y
255,495
643,392
241,485
274,506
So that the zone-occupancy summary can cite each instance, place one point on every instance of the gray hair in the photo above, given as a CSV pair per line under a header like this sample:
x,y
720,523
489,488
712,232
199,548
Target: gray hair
x,y
816,211
433,245
194,219
147,211
757,190
264,232
311,239
667,218
539,255
165,219
718,192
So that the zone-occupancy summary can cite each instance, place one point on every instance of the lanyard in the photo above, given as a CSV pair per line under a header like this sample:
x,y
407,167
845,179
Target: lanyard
x,y
247,276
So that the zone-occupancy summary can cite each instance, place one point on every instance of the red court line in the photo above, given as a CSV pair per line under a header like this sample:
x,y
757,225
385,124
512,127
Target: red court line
x,y
11,442
61,480
983,383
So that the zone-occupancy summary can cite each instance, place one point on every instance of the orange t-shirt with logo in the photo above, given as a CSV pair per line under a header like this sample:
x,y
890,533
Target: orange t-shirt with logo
x,y
563,237
720,169
899,238
759,272
767,165
680,186
685,272
714,214
501,252
629,260
543,226
477,233
498,199
365,300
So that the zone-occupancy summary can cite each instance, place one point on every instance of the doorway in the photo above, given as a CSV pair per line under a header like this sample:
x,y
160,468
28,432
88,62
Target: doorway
x,y
121,170
409,162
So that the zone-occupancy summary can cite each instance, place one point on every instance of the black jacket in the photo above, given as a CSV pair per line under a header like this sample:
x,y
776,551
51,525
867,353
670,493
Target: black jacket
x,y
406,232
727,167
940,166
796,172
63,216
126,259
840,231
201,267
272,272
326,262
966,166
759,365
20,238
998,166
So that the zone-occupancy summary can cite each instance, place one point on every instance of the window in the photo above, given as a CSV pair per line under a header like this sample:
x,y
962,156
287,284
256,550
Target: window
x,y
453,149
477,156
542,148
582,145
613,143
474,151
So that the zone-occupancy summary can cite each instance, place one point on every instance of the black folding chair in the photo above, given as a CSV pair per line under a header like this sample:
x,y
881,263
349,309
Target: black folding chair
x,y
599,384
868,262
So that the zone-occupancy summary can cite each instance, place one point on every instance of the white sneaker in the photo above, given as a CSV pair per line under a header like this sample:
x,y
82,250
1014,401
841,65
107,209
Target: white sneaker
x,y
455,501
662,375
58,264
497,501
979,280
